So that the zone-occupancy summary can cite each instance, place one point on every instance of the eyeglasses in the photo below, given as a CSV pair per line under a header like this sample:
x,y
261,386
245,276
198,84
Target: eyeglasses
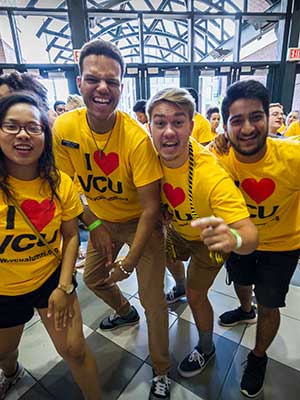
x,y
31,129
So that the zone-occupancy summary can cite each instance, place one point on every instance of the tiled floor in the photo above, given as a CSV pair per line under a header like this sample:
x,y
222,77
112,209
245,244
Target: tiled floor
x,y
123,359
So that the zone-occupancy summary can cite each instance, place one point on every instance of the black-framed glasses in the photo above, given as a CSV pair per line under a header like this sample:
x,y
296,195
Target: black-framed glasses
x,y
31,129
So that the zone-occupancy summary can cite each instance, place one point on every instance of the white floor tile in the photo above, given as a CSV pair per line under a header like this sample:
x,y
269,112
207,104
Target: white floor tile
x,y
220,285
285,347
133,338
292,308
37,353
140,386
33,320
129,285
220,304
20,388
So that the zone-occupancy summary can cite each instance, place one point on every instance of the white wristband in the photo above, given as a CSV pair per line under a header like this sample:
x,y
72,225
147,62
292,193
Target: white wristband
x,y
238,238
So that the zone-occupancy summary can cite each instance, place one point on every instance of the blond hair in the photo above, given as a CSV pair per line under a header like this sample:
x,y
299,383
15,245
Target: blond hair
x,y
74,101
180,97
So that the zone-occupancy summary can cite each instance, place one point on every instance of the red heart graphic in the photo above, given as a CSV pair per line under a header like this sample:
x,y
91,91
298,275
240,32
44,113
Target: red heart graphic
x,y
175,196
108,163
40,214
258,191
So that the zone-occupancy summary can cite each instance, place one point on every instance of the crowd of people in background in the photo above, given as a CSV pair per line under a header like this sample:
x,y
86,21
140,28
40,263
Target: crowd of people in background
x,y
186,207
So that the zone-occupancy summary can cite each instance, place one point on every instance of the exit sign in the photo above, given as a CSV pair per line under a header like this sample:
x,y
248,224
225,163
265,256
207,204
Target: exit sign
x,y
294,54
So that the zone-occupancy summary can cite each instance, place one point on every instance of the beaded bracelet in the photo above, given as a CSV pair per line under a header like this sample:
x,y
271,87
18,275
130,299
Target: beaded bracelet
x,y
123,269
239,240
94,225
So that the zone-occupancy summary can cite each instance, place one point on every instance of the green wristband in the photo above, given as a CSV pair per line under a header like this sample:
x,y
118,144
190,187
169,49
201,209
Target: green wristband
x,y
94,225
239,240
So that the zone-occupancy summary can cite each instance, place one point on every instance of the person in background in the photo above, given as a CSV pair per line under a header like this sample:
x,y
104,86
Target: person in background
x,y
38,208
120,173
197,193
293,129
59,107
276,119
201,130
16,81
214,118
292,117
140,112
74,101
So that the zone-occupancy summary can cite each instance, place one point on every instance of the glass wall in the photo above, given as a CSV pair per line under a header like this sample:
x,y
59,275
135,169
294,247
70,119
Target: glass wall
x,y
7,48
57,89
150,33
261,39
170,79
214,39
49,38
34,4
211,91
124,32
128,97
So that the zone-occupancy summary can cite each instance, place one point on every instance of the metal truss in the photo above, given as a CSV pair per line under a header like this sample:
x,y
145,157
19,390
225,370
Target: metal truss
x,y
167,27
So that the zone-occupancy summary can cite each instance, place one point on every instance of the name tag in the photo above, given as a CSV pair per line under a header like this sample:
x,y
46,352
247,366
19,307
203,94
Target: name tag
x,y
68,143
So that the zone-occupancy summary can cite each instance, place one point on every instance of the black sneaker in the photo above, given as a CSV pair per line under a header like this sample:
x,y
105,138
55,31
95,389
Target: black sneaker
x,y
115,321
175,294
238,316
160,388
252,383
195,362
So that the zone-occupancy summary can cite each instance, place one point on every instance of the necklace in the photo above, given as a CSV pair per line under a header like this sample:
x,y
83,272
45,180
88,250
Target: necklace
x,y
100,151
215,256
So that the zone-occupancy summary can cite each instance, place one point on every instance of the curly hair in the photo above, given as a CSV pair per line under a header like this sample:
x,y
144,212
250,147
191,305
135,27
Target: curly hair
x,y
17,81
46,165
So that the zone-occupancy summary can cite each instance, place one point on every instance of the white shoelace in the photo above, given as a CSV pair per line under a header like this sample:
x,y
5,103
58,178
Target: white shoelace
x,y
162,385
196,356
172,294
113,317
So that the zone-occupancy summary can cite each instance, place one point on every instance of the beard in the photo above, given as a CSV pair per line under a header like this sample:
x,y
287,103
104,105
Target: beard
x,y
260,145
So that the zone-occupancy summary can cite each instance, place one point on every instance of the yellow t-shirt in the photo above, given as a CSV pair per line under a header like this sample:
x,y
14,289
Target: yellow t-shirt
x,y
293,129
25,262
281,129
214,193
271,189
77,184
109,182
202,131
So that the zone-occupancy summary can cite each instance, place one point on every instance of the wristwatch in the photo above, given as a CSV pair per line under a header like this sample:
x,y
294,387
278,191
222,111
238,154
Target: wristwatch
x,y
68,289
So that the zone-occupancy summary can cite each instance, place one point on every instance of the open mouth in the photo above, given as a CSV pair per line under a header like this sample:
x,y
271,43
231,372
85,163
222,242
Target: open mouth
x,y
23,147
101,101
170,144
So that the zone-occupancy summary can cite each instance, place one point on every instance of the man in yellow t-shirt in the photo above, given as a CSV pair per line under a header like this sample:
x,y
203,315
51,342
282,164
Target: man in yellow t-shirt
x,y
201,131
267,172
293,129
120,174
196,187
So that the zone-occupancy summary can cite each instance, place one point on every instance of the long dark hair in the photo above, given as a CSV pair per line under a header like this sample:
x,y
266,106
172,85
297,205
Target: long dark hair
x,y
46,165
